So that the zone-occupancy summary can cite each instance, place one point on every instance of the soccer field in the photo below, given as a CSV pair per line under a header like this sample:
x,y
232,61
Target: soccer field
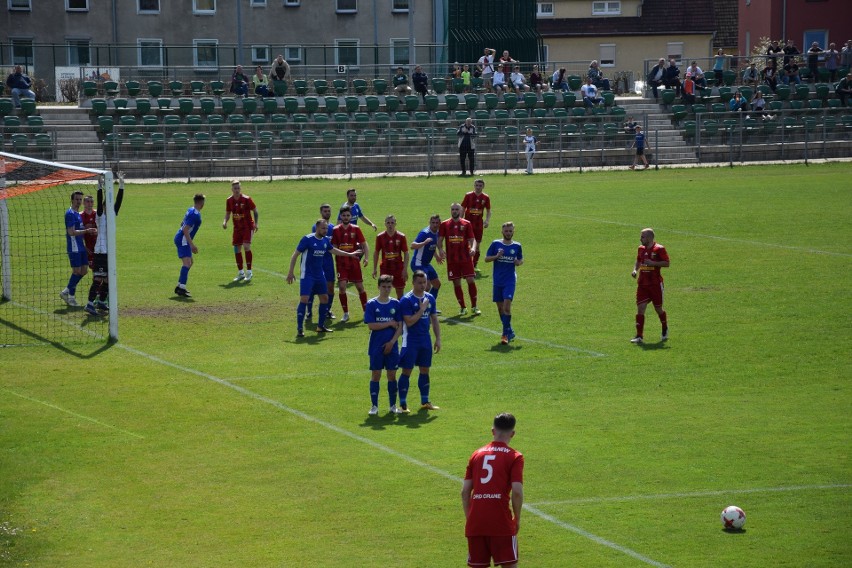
x,y
210,436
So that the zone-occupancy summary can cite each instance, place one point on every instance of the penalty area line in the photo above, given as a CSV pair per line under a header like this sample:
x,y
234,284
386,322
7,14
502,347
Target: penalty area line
x,y
381,447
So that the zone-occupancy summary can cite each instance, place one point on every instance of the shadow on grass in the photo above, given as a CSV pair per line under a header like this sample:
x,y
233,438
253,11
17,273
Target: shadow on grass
x,y
654,346
414,420
182,299
510,348
64,348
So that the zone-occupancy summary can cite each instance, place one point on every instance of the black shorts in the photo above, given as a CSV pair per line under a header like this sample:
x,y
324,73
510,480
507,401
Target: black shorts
x,y
640,151
100,264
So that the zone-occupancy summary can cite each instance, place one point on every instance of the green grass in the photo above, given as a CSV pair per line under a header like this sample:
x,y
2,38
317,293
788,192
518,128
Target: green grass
x,y
209,437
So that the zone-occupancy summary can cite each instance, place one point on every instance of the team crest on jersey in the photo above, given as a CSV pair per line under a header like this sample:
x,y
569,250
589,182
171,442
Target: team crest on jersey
x,y
511,251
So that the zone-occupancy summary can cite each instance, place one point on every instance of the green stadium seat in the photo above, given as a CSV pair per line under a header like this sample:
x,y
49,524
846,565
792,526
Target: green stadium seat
x,y
521,113
150,121
257,119
215,121
133,88
158,139
99,106
491,101
176,88
186,106
560,113
439,85
423,119
782,92
194,122
301,118
471,101
301,87
678,113
20,142
245,138
569,99
726,94
340,86
208,105
667,96
802,92
278,121
689,127
222,139
111,88
462,115
288,137
249,105
451,102
361,119
155,89
431,103
608,98
28,106
236,119
311,105
180,140
308,137
143,106
197,88
371,137
321,118
391,103
43,141
549,100
477,85
217,88
120,105
353,104
202,139
105,123
6,106
229,105
481,114
720,109
797,104
441,115
332,104
279,88
380,86
382,119
90,89
360,86
578,112
814,104
320,86
137,141
412,103
128,121
539,112
822,91
164,103
35,124
372,103
291,105
574,82
270,105
341,119
728,77
458,86
400,119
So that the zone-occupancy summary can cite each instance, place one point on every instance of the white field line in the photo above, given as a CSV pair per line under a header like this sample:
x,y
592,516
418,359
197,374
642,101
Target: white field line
x,y
381,447
484,329
692,494
703,236
80,416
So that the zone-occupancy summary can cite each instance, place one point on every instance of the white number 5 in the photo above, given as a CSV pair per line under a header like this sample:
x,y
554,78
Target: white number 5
x,y
487,467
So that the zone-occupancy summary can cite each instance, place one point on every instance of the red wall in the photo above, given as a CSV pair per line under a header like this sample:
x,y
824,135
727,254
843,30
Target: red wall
x,y
765,18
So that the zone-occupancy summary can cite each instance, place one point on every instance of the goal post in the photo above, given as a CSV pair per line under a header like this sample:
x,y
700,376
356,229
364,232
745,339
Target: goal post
x,y
34,264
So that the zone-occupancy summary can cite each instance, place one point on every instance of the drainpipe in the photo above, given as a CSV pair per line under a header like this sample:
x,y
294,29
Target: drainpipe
x,y
239,33
784,20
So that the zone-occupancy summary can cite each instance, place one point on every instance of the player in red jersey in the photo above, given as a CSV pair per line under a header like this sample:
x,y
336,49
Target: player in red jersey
x,y
90,220
650,258
474,205
461,248
393,248
348,237
245,227
494,478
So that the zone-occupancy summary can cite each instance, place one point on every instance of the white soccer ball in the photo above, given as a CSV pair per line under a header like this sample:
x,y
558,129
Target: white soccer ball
x,y
733,518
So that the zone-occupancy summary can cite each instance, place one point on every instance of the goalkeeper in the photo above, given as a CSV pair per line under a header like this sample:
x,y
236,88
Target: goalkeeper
x,y
99,290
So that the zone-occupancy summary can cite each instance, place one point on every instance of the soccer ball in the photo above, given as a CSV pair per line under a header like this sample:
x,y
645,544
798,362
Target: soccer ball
x,y
733,518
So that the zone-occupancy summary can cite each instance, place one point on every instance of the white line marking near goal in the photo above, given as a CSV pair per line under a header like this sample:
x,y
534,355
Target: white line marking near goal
x,y
80,416
381,447
703,236
484,329
693,494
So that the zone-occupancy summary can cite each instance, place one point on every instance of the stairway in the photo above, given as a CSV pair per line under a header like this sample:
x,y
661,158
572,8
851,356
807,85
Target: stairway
x,y
76,138
664,142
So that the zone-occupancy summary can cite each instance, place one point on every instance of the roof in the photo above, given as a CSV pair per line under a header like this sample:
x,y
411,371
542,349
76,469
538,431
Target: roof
x,y
727,24
659,17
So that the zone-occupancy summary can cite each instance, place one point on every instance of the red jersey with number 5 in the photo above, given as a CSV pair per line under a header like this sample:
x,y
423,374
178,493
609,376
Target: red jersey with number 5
x,y
493,469
651,275
457,234
240,210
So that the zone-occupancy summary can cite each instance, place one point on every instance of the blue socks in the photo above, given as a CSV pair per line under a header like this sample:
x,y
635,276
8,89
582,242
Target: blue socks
x,y
423,384
300,315
402,386
392,388
184,275
323,311
374,392
72,283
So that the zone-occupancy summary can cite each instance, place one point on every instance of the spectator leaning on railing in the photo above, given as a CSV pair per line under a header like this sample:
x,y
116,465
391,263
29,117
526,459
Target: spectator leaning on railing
x,y
719,62
813,61
280,70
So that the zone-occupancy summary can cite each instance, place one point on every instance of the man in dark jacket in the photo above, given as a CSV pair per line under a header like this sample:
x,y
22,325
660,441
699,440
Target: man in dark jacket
x,y
655,77
421,82
19,85
671,78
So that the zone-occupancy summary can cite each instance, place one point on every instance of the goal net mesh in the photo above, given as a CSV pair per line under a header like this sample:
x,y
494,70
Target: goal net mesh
x,y
34,265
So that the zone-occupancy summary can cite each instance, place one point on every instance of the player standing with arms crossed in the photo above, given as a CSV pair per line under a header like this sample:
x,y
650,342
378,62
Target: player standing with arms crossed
x,y
461,248
494,478
384,318
650,258
392,246
506,254
474,205
245,227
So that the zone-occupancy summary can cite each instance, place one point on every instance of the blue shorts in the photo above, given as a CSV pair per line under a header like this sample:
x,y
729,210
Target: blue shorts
x,y
431,273
184,251
79,258
309,285
329,271
501,293
415,357
379,361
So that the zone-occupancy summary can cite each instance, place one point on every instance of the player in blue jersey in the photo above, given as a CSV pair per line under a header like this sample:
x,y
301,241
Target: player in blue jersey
x,y
425,248
639,143
355,209
328,265
312,248
506,254
76,247
185,243
418,315
384,318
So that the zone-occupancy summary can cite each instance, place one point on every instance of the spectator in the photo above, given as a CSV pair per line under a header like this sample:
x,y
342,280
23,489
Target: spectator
x,y
697,75
770,74
239,82
844,89
688,90
590,94
597,77
421,82
280,70
791,74
529,142
655,76
846,55
719,63
671,78
772,52
518,81
758,104
813,61
467,144
499,80
19,85
260,82
738,103
536,82
485,66
832,61
457,71
751,77
465,75
790,52
400,83
559,80
506,60
630,125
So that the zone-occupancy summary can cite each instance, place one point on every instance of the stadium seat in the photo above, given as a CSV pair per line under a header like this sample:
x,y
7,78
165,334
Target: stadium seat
x,y
667,96
719,109
215,121
222,139
194,122
521,113
265,138
782,92
35,124
311,105
308,137
120,105
451,102
340,86
608,98
229,105
128,121
180,140
569,99
270,105
481,114
574,82
422,119
439,85
164,103
618,111
678,113
257,119
511,131
291,105
400,119
510,101
578,112
217,88
20,142
458,86
711,127
726,94
249,105
822,91
245,138
491,101
471,102
797,104
728,77
814,104
208,105
341,119
150,122
477,84
353,104
774,106
158,139
279,88
539,112
176,88
699,109
382,119
802,92
320,86
411,134
137,140
320,118
99,107
360,86
111,88
186,106
431,103
278,121
288,137
834,103
6,106
301,87
361,119
332,104
105,123
689,127
143,106
549,100
372,103
560,113
530,101
236,118
197,88
391,103
155,89
133,88
202,140
380,86
412,103
551,130
90,89
43,141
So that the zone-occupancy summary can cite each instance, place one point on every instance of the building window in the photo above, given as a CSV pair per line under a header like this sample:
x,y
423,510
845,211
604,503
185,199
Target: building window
x,y
347,52
674,50
399,52
21,5
292,3
205,7
545,54
609,8
544,10
607,55
79,52
347,7
258,3
150,52
22,52
400,6
148,6
205,53
260,54
76,5
810,36
292,53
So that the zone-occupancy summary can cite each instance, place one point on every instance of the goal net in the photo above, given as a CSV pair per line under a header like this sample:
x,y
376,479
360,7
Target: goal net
x,y
34,263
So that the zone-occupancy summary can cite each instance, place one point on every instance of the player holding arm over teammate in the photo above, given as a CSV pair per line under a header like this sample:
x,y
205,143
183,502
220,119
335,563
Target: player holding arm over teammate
x,y
75,247
650,258
242,207
384,318
506,254
99,291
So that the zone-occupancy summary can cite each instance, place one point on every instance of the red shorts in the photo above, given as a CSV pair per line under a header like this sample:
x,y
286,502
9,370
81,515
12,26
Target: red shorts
x,y
477,231
458,270
481,549
653,294
398,281
349,272
242,236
